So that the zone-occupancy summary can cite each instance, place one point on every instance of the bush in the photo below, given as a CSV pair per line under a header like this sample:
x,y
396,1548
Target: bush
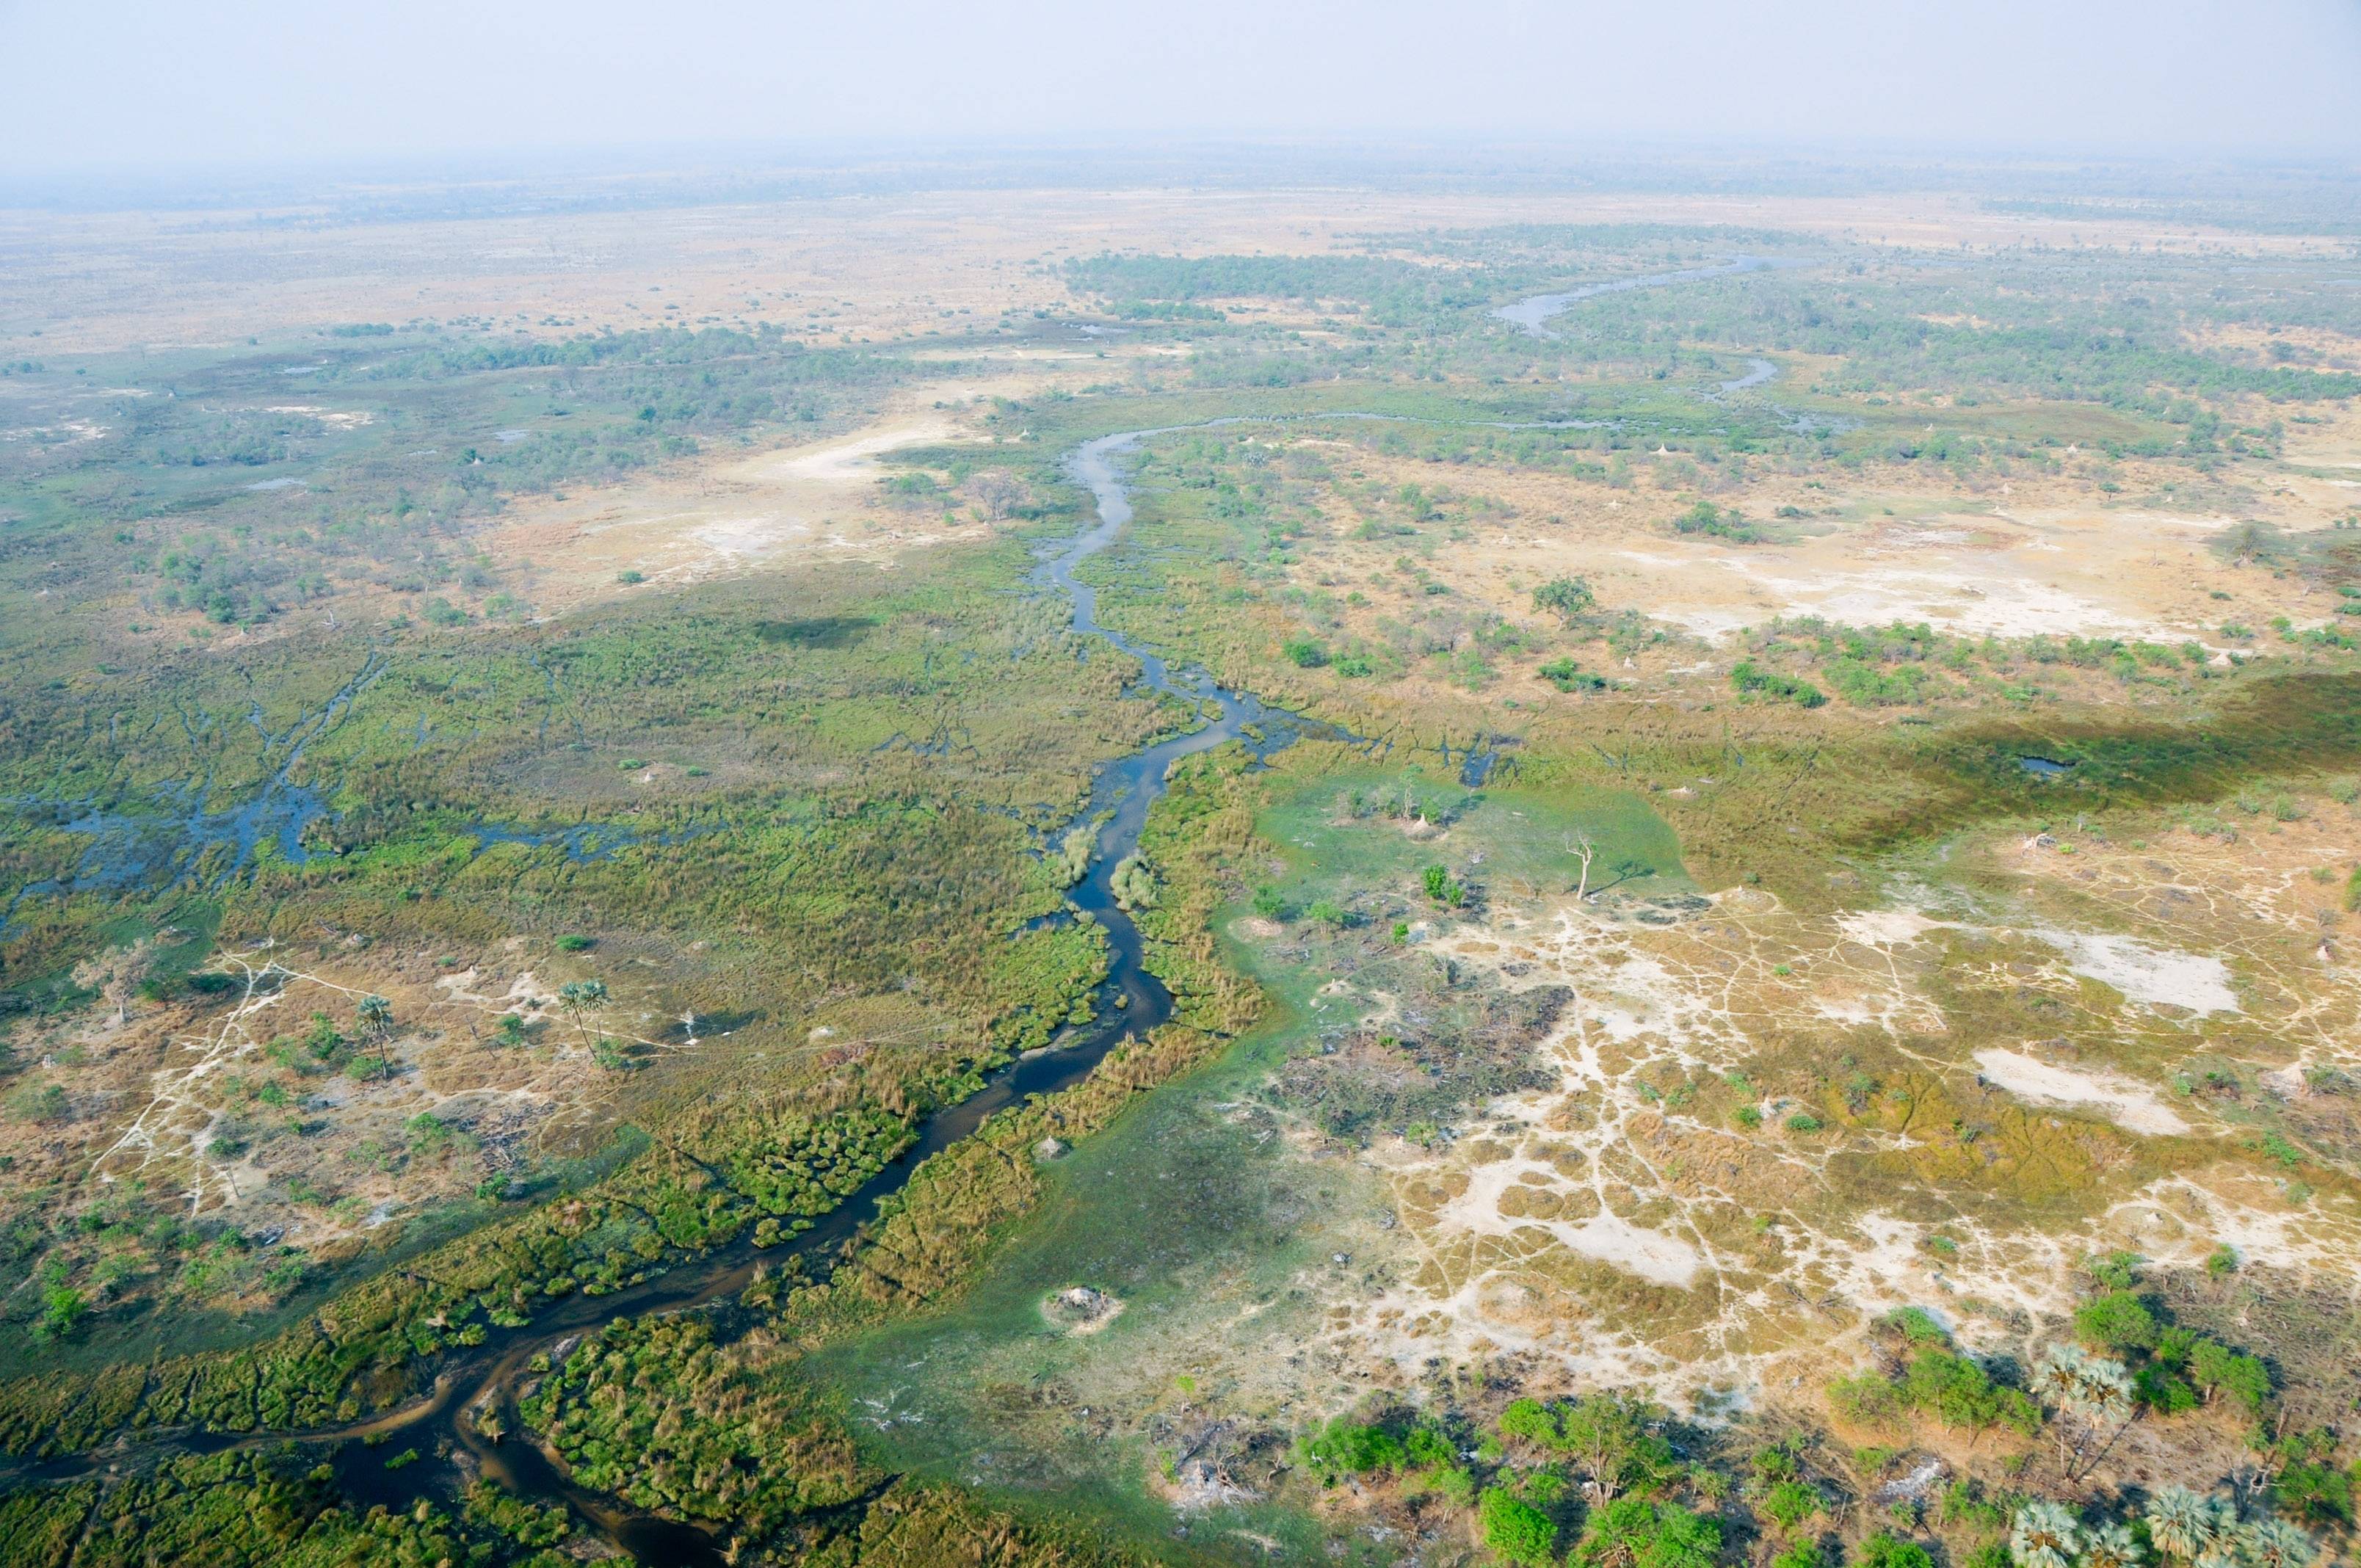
x,y
1917,1326
1515,1530
1753,680
1647,1535
1885,1551
1567,597
1346,1448
1789,1503
1707,518
2116,1321
1304,653
1568,677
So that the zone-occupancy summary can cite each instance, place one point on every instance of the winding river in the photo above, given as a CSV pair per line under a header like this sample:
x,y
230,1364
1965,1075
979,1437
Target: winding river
x,y
1532,313
476,1391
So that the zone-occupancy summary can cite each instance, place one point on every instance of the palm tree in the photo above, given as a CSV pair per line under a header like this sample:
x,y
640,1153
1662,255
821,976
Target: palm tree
x,y
2046,1535
376,1016
2275,1543
2094,1390
2111,1546
579,996
2183,1523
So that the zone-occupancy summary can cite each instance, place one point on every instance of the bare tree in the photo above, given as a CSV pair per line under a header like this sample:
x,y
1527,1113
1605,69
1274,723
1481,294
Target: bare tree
x,y
999,491
1583,848
117,974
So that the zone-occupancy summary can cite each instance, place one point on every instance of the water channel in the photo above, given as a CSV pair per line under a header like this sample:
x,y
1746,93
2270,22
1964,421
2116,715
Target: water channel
x,y
475,1391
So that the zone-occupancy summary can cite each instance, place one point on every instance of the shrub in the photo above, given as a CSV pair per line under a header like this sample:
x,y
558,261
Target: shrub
x,y
1885,1551
1568,677
2116,1321
1348,1448
1708,519
1789,1503
1515,1530
1753,680
1567,597
1647,1535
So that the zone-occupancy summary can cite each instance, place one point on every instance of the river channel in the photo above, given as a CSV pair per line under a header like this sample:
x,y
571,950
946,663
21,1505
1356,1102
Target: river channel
x,y
475,1391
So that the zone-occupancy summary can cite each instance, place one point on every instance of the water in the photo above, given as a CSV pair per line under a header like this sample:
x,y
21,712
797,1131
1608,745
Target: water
x,y
472,1383
1530,313
1758,374
185,838
2043,767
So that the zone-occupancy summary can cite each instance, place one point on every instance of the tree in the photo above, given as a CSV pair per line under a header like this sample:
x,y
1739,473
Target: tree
x,y
510,1029
2116,1321
2092,1390
1611,1437
999,491
2216,1367
1348,1447
375,1013
1585,848
2183,1523
2275,1543
1516,1532
1568,599
117,974
61,1307
579,997
2045,1535
1133,884
2110,1546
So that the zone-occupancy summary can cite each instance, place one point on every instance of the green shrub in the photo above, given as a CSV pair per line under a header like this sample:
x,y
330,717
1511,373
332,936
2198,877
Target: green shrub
x,y
1753,680
1515,1530
1345,1447
2116,1321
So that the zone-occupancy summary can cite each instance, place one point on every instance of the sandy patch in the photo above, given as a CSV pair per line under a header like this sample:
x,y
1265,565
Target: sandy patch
x,y
2129,1106
1885,928
2145,974
335,418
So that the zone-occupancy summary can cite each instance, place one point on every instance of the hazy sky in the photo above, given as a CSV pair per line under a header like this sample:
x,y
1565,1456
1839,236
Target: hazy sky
x,y
155,81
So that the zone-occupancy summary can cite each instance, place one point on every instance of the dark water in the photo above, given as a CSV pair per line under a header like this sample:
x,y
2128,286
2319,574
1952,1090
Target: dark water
x,y
185,836
447,1429
1530,313
2043,767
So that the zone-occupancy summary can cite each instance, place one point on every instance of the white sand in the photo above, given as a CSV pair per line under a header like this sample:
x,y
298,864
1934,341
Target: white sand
x,y
2131,1106
2144,973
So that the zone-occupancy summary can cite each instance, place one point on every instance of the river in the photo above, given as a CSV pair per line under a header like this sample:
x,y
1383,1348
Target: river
x,y
449,1427
1532,313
